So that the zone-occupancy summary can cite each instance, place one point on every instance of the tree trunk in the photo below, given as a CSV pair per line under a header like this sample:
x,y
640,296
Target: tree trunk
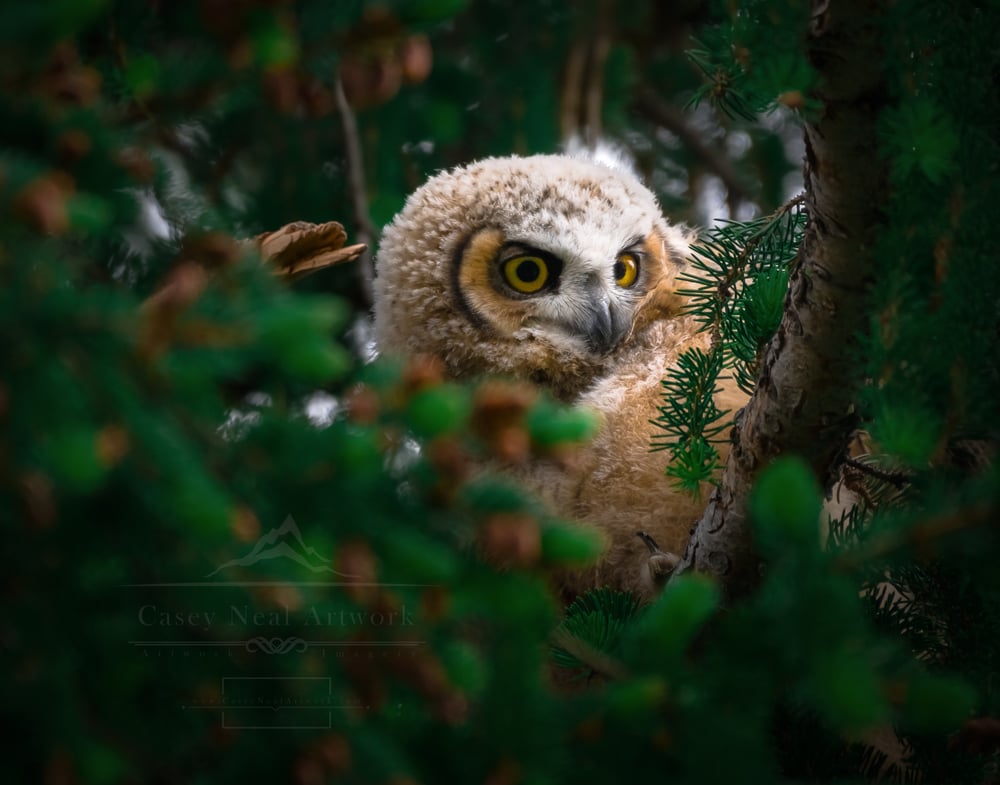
x,y
803,403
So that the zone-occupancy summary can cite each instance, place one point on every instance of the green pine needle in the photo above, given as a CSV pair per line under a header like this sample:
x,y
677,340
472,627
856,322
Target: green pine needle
x,y
597,620
693,463
726,87
738,279
690,419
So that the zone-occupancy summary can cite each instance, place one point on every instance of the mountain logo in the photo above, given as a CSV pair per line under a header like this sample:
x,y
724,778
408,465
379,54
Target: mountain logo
x,y
285,542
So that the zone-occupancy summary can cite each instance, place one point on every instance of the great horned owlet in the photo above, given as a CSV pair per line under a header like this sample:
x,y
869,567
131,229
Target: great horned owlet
x,y
559,270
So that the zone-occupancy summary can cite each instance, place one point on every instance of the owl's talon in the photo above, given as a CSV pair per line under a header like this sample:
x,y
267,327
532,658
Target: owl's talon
x,y
650,542
660,565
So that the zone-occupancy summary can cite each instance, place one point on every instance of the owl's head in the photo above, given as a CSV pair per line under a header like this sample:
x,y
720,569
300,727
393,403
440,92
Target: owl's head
x,y
539,268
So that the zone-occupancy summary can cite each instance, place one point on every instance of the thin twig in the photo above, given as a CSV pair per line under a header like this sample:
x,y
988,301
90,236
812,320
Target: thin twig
x,y
751,244
571,91
600,47
594,100
896,479
366,232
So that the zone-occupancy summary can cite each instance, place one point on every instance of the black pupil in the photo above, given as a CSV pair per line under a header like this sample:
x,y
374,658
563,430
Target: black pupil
x,y
619,270
528,271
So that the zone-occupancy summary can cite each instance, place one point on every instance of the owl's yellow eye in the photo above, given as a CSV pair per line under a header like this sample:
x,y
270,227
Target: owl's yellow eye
x,y
526,274
626,269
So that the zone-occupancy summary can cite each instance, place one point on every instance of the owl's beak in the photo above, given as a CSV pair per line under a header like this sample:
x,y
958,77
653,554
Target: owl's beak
x,y
602,329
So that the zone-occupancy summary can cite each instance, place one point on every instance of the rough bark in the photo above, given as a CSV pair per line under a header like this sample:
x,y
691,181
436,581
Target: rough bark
x,y
803,403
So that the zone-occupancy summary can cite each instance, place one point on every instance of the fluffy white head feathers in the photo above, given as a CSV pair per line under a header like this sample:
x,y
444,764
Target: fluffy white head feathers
x,y
532,267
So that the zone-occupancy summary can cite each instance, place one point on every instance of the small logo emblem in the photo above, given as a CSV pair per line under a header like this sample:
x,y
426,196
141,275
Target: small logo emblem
x,y
285,542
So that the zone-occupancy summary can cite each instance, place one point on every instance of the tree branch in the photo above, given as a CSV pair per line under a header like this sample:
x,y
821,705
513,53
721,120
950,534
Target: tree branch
x,y
582,93
803,402
569,102
366,232
656,110
594,99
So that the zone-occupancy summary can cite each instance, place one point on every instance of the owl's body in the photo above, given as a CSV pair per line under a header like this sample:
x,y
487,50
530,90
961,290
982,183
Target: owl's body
x,y
560,271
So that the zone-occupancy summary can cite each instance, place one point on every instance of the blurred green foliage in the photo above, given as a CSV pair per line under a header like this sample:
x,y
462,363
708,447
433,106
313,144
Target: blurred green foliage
x,y
233,551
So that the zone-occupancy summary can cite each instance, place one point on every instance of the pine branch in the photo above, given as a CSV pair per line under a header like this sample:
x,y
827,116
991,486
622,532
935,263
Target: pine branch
x,y
590,634
690,419
726,257
803,402
919,535
739,278
894,478
725,86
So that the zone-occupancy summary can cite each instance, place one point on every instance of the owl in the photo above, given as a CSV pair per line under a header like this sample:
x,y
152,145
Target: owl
x,y
559,270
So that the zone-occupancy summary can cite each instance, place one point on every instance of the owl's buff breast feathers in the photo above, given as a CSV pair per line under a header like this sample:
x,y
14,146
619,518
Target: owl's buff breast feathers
x,y
560,271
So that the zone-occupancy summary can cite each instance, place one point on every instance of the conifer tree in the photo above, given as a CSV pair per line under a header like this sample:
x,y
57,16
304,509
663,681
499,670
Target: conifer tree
x,y
235,549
